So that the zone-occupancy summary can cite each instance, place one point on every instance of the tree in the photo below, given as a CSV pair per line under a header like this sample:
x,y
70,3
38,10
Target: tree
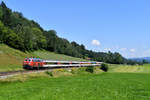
x,y
144,61
3,5
51,38
39,40
27,38
1,13
118,59
3,32
6,17
14,41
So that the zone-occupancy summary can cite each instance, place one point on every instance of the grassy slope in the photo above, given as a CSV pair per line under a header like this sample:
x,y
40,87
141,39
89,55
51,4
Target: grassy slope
x,y
130,69
11,59
105,86
54,56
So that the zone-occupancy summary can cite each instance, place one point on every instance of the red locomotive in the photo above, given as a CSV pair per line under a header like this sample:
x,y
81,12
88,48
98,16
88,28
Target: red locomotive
x,y
30,63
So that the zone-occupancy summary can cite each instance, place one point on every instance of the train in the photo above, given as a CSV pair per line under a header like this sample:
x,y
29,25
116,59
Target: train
x,y
37,63
31,63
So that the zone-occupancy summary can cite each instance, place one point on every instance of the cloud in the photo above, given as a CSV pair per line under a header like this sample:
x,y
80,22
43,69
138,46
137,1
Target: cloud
x,y
107,49
146,53
132,50
123,49
96,43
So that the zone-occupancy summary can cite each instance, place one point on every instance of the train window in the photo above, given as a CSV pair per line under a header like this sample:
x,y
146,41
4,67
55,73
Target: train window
x,y
40,60
34,60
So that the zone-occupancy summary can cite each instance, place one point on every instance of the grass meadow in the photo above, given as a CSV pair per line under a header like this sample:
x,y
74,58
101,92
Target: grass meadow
x,y
130,68
104,86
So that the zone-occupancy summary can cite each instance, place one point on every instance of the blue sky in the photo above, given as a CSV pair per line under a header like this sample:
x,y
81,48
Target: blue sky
x,y
117,25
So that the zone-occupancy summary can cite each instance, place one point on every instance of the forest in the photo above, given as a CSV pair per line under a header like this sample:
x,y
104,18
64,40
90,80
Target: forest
x,y
27,35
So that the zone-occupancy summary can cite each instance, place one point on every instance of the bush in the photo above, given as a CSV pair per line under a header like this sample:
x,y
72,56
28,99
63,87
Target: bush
x,y
90,69
49,73
104,67
73,70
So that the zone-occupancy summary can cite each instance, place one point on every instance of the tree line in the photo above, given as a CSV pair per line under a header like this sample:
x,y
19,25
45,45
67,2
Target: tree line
x,y
27,35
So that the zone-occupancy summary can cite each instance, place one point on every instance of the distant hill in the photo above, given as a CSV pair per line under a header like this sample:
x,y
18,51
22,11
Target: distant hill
x,y
147,59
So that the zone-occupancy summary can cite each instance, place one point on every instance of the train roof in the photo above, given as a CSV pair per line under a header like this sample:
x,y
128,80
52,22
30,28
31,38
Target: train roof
x,y
33,58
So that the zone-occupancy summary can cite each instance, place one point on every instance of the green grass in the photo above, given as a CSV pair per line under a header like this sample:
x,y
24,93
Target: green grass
x,y
11,59
51,55
130,68
105,86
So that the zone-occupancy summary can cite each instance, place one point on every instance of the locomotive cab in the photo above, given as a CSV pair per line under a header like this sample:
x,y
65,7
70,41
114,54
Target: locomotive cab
x,y
30,63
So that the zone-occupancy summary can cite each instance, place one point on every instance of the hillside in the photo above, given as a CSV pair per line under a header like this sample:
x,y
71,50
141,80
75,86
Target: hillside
x,y
11,59
23,34
145,59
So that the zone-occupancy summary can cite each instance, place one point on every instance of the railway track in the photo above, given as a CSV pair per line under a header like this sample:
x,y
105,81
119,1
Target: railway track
x,y
12,73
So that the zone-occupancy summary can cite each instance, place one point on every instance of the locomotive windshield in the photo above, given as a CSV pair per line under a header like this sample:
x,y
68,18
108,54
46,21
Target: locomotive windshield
x,y
37,60
28,59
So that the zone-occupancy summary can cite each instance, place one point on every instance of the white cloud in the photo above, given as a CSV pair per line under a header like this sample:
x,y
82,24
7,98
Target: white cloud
x,y
96,43
132,50
146,53
107,49
123,49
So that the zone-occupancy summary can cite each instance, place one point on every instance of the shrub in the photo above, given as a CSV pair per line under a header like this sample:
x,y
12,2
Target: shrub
x,y
104,67
49,73
73,70
90,69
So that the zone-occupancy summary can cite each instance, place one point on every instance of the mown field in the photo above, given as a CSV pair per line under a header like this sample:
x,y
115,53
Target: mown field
x,y
130,68
11,59
104,86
